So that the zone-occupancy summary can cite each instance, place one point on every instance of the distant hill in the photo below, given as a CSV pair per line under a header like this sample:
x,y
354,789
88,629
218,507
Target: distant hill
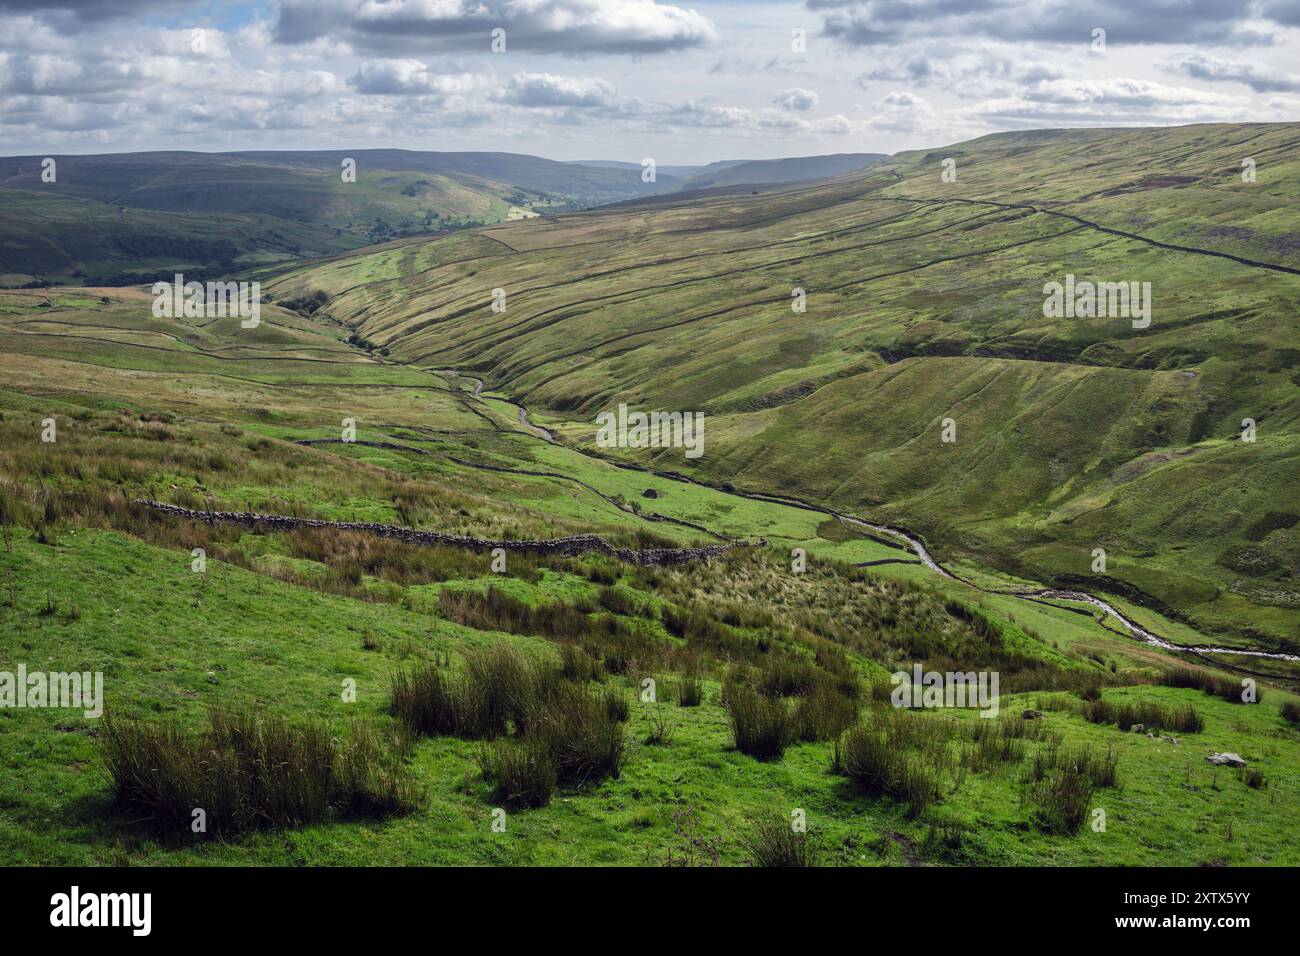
x,y
123,218
119,218
796,169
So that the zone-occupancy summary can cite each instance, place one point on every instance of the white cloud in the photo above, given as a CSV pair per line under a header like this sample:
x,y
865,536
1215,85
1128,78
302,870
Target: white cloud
x,y
547,89
796,100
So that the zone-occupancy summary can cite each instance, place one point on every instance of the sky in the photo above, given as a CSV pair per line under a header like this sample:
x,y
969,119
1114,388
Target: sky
x,y
681,83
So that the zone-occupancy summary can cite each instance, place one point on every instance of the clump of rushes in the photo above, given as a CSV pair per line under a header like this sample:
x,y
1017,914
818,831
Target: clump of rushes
x,y
1225,688
824,713
248,773
1183,718
773,841
544,730
690,689
892,754
523,772
761,728
1291,712
1062,801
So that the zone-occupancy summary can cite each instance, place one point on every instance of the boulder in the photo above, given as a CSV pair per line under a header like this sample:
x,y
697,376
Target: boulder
x,y
1032,715
1138,728
1226,760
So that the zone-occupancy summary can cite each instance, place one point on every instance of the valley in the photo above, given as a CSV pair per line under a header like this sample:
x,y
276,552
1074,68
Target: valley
x,y
380,521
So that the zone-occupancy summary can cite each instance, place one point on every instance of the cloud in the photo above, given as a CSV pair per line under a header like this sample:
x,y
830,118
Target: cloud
x,y
888,22
902,112
547,89
964,70
407,78
1114,102
1261,79
796,100
540,26
81,15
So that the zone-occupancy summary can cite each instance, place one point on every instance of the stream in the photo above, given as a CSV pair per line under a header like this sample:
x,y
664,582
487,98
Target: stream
x,y
917,546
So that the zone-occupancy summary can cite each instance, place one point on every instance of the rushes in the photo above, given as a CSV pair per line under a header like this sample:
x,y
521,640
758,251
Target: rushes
x,y
1291,712
823,714
1225,688
1062,801
522,772
772,841
1060,784
761,728
1147,714
247,773
540,730
690,690
896,755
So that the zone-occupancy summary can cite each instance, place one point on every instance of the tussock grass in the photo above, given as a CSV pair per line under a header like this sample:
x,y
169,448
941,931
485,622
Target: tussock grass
x,y
823,713
1224,688
690,688
523,772
248,773
760,727
896,755
1061,801
773,842
1149,715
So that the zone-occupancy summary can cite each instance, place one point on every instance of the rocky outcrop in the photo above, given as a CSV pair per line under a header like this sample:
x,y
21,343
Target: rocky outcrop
x,y
571,545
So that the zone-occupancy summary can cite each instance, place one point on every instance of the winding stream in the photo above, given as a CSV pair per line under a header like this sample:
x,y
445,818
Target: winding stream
x,y
917,546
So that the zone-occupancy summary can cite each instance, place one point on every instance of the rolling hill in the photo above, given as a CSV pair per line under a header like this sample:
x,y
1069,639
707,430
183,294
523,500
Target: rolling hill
x,y
925,302
121,218
796,169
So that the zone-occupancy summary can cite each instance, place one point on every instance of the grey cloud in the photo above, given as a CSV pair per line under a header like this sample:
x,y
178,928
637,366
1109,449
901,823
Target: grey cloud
x,y
796,100
884,22
544,26
1261,79
958,67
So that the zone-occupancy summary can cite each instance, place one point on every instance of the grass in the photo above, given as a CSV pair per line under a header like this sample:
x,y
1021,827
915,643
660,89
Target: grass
x,y
774,842
287,647
247,773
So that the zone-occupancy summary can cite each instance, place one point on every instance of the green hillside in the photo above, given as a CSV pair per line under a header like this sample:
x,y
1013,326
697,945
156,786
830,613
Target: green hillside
x,y
925,301
771,684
